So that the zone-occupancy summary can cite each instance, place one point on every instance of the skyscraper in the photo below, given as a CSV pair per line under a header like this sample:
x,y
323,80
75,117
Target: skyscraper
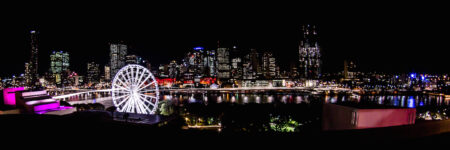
x,y
118,53
93,72
27,74
269,66
223,60
59,62
33,64
107,73
236,68
309,53
210,63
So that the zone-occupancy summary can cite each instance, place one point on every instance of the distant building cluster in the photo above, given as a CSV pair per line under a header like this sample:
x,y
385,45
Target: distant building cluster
x,y
236,67
220,67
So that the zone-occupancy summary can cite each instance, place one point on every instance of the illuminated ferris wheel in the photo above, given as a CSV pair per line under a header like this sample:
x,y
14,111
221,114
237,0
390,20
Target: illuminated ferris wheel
x,y
135,90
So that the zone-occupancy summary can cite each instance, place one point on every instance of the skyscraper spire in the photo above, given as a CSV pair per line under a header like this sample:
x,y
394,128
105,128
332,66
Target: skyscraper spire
x,y
33,64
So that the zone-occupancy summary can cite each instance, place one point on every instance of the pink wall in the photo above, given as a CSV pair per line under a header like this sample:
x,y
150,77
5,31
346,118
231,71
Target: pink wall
x,y
374,118
336,117
10,98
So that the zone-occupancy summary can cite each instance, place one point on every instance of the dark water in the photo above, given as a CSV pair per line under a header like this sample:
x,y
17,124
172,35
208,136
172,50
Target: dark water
x,y
405,101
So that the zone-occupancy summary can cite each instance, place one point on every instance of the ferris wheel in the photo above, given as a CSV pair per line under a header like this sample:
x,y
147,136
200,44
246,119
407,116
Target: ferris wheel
x,y
135,90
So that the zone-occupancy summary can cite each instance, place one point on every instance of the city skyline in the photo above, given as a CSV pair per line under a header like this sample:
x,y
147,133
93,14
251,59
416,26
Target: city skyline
x,y
159,58
367,73
406,45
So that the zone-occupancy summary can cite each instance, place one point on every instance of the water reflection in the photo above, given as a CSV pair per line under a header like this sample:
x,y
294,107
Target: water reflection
x,y
387,100
239,98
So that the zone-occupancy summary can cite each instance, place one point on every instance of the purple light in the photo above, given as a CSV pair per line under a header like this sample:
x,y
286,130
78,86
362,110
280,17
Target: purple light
x,y
9,95
46,107
55,109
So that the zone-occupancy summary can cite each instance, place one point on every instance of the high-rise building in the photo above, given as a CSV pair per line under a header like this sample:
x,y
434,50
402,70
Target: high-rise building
x,y
59,63
134,59
269,66
309,53
33,64
236,68
93,72
236,63
118,53
28,76
248,71
223,60
173,69
210,63
107,73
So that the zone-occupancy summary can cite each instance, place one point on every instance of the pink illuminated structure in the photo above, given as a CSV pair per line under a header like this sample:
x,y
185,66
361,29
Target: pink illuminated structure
x,y
337,117
39,102
9,95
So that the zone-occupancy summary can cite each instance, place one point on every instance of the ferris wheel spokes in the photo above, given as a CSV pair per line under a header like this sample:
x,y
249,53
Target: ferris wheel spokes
x,y
132,94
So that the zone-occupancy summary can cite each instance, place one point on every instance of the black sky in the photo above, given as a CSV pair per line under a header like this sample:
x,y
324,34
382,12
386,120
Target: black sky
x,y
385,39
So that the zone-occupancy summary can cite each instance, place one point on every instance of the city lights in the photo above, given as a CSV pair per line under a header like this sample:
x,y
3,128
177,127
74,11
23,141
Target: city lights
x,y
300,82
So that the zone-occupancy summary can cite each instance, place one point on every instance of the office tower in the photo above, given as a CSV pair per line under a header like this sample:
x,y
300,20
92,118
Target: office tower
x,y
236,63
33,63
118,53
210,63
173,69
309,53
223,60
93,72
236,68
255,59
107,73
59,63
248,71
28,76
269,66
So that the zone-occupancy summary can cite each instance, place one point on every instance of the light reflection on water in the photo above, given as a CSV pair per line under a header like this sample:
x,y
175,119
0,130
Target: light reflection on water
x,y
390,100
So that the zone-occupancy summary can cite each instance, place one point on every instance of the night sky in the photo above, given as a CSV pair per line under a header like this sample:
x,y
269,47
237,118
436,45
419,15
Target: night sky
x,y
391,39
